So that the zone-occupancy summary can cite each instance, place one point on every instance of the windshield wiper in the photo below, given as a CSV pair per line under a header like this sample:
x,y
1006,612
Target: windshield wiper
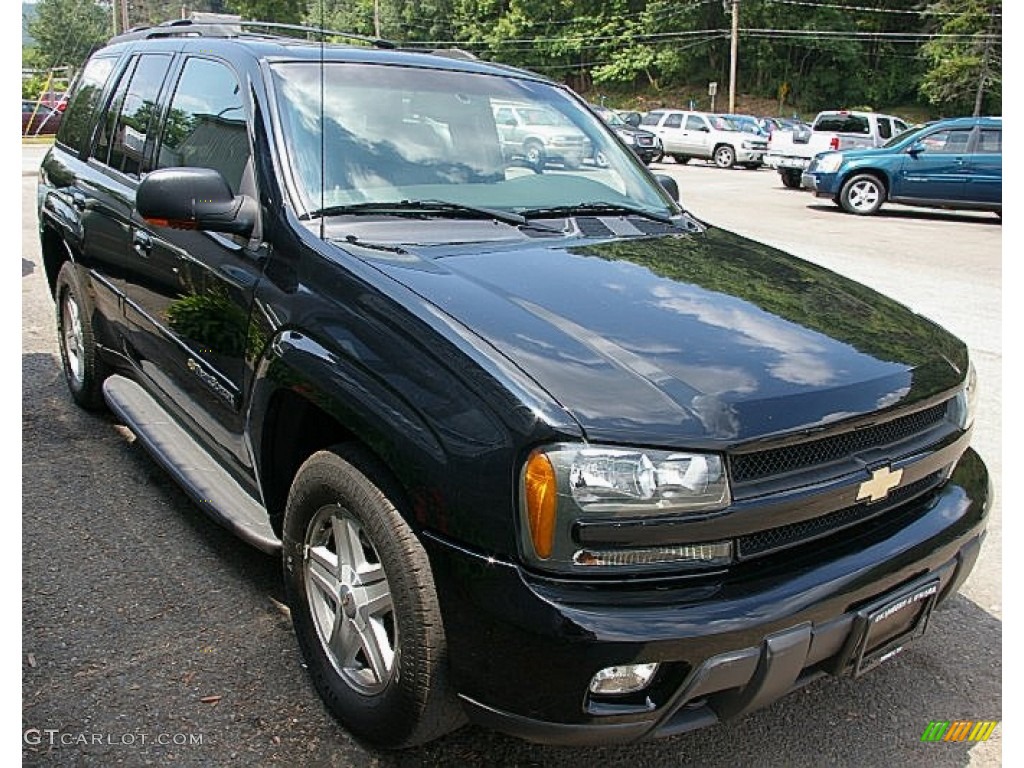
x,y
418,208
583,209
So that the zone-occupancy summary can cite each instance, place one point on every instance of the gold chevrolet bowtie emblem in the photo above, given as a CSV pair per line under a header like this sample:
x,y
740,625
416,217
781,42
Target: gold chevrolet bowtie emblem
x,y
877,488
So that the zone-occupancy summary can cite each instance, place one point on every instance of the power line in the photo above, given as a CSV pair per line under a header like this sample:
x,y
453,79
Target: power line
x,y
866,9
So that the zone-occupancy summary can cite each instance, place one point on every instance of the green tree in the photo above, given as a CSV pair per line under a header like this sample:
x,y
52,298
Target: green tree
x,y
277,11
67,31
964,67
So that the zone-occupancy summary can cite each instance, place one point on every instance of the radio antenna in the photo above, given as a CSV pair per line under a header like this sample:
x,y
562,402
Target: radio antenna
x,y
323,126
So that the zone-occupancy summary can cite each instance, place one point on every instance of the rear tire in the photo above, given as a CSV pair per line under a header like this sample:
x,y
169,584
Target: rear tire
x,y
363,602
84,372
790,179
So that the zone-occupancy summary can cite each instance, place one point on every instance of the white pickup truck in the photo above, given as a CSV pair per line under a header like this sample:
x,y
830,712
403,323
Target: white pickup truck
x,y
790,152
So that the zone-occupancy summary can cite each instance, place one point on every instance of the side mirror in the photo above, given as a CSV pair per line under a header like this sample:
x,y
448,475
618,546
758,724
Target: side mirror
x,y
669,184
705,129
916,148
194,198
633,120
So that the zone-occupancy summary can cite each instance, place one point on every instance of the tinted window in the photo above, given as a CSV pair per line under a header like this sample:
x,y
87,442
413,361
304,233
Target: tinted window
x,y
206,123
694,123
843,124
102,149
991,141
947,142
651,118
137,112
674,121
76,127
884,128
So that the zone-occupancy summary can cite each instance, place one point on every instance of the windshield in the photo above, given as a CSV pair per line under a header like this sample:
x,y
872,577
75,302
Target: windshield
x,y
406,135
610,117
720,123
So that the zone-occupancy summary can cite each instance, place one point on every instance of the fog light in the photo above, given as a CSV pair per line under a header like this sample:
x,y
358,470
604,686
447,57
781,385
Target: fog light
x,y
627,678
708,554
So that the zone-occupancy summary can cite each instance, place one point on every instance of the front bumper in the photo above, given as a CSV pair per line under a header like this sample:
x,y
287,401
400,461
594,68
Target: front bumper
x,y
821,184
522,649
749,156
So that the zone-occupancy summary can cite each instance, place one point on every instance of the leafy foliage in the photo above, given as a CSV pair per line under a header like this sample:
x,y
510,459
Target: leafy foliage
x,y
964,75
67,31
800,54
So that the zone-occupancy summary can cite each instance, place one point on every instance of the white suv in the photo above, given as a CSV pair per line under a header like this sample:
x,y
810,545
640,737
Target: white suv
x,y
710,137
539,136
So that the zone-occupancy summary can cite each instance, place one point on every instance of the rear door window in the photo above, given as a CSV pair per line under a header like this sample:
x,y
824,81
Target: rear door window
x,y
80,116
990,142
138,111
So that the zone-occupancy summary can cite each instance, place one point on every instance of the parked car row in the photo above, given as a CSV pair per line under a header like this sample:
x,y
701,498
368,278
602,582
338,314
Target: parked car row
x,y
687,135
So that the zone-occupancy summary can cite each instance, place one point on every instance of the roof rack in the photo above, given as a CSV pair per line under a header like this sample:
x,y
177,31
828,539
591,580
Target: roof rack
x,y
229,26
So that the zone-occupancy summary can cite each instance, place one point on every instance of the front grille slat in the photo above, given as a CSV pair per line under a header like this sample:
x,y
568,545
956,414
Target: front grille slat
x,y
774,539
757,465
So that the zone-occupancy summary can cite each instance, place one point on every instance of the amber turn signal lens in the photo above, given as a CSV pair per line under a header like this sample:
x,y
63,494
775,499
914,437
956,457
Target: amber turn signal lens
x,y
541,503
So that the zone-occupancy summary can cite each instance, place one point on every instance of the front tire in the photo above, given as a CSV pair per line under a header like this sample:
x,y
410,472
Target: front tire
x,y
725,156
79,355
534,154
862,195
681,159
363,602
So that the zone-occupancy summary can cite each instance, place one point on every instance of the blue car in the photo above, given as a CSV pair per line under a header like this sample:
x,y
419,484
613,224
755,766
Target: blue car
x,y
955,163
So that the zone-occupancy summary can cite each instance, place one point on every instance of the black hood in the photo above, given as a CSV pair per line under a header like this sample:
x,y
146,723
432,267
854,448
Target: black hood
x,y
689,339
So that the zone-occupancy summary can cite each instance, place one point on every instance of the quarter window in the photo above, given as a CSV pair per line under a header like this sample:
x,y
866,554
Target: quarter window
x,y
76,125
206,123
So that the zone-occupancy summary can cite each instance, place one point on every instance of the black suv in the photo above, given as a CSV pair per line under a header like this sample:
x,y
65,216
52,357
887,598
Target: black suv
x,y
535,447
645,144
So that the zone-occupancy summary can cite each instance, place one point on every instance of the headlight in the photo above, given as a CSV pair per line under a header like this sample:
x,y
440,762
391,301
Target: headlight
x,y
967,400
830,162
568,483
628,138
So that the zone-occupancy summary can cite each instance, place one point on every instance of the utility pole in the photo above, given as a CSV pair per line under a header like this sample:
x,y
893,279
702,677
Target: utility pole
x,y
734,50
124,16
376,18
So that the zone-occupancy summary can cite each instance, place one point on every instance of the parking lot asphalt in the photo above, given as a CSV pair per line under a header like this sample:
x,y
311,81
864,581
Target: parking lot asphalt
x,y
150,635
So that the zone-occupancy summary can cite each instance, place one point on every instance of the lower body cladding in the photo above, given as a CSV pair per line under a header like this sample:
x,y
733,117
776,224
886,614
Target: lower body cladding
x,y
524,650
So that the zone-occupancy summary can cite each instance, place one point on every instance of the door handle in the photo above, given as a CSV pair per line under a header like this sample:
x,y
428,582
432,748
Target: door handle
x,y
142,243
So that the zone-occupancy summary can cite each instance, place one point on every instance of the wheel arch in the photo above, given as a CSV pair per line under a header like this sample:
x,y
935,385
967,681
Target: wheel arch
x,y
304,400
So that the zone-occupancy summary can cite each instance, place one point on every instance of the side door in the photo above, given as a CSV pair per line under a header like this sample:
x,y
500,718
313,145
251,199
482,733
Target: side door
x,y
671,133
935,167
188,304
508,132
985,179
696,136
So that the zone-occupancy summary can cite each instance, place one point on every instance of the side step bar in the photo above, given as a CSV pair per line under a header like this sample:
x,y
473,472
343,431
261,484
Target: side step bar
x,y
210,486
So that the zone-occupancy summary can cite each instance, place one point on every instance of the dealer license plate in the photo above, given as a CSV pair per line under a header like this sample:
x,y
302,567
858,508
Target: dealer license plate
x,y
882,630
